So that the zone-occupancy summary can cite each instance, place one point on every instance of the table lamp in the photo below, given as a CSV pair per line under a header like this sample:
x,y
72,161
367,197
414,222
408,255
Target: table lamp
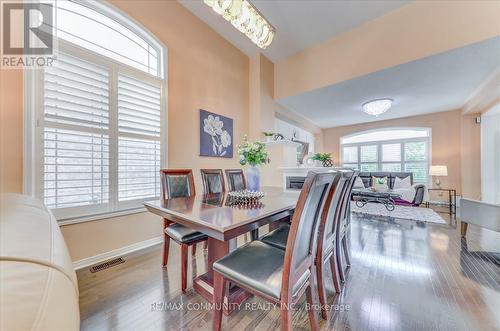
x,y
438,171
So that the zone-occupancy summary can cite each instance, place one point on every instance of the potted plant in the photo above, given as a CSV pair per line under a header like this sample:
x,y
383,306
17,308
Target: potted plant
x,y
324,158
269,135
253,154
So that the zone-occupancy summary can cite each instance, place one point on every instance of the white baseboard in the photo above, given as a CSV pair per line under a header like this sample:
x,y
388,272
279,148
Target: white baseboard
x,y
88,261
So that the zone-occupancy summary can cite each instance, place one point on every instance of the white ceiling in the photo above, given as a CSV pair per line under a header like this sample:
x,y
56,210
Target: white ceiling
x,y
437,83
299,24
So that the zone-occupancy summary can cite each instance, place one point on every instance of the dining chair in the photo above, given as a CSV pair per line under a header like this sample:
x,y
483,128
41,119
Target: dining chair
x,y
279,276
327,237
343,229
235,179
213,181
236,182
178,183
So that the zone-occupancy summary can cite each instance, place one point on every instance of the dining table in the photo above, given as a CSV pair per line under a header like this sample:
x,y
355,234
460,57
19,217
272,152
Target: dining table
x,y
222,221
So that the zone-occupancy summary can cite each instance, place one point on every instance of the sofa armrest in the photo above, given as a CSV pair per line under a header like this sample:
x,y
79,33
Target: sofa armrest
x,y
486,215
419,194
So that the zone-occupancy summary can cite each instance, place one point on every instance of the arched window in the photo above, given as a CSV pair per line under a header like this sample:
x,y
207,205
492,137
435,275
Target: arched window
x,y
389,149
99,114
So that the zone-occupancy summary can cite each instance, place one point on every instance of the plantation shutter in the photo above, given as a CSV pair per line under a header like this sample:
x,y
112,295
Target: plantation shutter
x,y
76,136
138,139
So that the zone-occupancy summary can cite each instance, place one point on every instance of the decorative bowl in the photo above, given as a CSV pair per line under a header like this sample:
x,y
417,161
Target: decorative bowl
x,y
244,197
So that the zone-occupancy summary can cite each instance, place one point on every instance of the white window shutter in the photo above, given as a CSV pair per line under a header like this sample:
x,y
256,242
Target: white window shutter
x,y
76,136
138,140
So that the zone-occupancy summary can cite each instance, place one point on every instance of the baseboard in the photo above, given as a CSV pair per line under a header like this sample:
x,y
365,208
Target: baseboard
x,y
88,261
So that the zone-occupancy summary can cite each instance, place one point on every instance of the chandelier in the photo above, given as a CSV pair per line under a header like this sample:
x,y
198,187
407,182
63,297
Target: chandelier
x,y
377,106
246,18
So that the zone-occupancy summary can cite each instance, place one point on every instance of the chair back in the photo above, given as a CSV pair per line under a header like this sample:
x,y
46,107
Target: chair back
x,y
236,180
346,202
304,226
213,181
332,212
177,183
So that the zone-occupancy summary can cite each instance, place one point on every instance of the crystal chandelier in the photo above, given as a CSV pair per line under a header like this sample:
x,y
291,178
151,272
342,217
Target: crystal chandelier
x,y
246,18
377,106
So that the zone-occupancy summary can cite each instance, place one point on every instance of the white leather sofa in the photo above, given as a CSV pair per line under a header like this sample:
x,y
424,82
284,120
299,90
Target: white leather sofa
x,y
486,215
38,286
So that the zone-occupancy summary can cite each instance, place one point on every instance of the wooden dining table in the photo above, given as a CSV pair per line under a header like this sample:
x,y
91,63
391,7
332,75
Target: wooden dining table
x,y
223,222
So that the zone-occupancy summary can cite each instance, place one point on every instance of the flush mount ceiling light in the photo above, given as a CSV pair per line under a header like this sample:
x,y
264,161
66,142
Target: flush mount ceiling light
x,y
377,106
246,18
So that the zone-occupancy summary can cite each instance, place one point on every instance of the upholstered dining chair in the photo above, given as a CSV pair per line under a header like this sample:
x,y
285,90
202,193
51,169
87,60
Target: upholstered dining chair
x,y
343,228
235,179
236,182
178,183
279,276
213,181
327,236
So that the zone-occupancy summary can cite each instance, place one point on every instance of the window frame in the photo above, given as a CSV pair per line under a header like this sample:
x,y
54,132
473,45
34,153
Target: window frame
x,y
33,146
380,143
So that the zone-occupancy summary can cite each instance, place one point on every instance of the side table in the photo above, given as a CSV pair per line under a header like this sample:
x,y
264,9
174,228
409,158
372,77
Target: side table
x,y
451,203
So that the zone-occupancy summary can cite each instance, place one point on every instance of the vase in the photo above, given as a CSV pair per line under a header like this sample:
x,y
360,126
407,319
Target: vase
x,y
327,163
253,178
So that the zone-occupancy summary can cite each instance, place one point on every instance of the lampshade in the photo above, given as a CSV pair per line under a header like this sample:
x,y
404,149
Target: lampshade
x,y
438,170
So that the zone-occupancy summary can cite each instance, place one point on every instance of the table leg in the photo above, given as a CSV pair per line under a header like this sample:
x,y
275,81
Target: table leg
x,y
450,201
204,283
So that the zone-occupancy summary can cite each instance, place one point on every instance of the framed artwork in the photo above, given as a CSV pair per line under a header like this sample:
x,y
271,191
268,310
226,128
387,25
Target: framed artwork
x,y
216,135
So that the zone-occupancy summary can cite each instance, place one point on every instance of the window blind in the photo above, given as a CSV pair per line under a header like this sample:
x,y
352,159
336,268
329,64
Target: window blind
x,y
76,134
139,139
101,138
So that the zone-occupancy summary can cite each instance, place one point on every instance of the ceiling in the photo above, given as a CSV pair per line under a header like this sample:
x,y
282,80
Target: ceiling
x,y
437,83
299,24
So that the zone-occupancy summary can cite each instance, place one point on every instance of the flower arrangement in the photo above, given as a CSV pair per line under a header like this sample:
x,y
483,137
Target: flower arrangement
x,y
221,139
252,153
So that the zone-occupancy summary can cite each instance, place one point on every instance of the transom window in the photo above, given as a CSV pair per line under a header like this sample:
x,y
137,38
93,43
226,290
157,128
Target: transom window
x,y
389,150
99,114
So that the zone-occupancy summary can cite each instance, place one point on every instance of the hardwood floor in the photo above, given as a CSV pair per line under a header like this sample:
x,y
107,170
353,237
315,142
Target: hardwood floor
x,y
404,276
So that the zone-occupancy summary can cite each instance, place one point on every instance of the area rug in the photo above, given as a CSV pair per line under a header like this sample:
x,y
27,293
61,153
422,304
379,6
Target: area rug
x,y
404,212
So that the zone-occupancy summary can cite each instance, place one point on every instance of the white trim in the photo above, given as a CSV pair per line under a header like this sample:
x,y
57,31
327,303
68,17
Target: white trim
x,y
101,216
88,261
390,128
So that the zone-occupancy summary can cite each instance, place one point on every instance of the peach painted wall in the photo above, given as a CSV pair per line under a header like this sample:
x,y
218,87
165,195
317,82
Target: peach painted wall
x,y
446,141
204,71
11,129
435,26
263,106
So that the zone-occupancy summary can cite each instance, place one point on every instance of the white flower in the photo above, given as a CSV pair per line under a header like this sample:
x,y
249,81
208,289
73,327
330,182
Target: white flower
x,y
218,124
213,125
225,139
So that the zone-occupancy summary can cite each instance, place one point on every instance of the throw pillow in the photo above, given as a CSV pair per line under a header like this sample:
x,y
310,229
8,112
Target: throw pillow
x,y
380,184
402,183
359,183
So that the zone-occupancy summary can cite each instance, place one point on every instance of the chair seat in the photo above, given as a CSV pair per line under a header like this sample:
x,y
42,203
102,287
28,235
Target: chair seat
x,y
184,235
258,266
278,237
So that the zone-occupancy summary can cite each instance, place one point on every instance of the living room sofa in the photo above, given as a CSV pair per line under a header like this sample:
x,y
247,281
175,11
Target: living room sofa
x,y
38,286
483,214
366,177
